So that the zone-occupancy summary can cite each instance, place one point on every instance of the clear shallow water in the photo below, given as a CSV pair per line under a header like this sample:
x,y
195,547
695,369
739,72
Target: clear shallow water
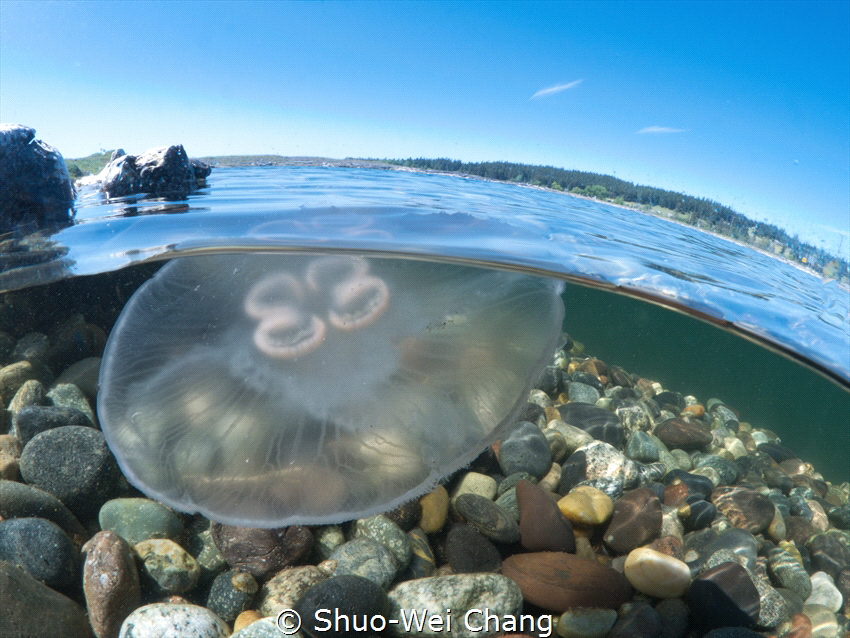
x,y
367,210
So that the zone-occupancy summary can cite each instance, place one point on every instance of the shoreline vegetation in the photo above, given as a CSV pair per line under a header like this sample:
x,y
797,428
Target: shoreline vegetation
x,y
701,213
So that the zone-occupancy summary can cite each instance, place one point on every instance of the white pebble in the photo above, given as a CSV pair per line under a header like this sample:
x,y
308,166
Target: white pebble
x,y
656,574
824,592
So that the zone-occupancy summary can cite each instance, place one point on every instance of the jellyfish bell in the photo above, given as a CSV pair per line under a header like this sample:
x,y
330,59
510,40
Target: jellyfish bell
x,y
269,389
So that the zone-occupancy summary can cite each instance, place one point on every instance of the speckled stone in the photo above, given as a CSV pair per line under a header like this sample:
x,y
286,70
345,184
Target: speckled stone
x,y
18,500
67,395
557,581
170,568
30,608
824,592
110,582
14,375
138,519
458,592
32,392
636,521
468,551
525,449
406,516
75,465
367,558
262,552
231,593
603,462
683,433
381,529
41,549
349,595
727,471
542,526
788,572
10,456
284,589
490,519
586,506
173,620
586,623
582,393
656,574
435,508
745,508
641,447
202,547
35,419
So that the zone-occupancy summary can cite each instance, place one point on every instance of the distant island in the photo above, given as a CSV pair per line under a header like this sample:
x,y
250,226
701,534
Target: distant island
x,y
701,213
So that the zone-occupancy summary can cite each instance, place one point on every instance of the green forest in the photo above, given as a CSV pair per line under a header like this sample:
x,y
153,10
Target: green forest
x,y
702,213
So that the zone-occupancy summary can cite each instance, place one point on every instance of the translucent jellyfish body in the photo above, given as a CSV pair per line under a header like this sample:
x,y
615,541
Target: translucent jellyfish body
x,y
270,389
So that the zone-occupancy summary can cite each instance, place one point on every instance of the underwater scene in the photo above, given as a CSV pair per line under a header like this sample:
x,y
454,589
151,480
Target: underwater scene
x,y
342,401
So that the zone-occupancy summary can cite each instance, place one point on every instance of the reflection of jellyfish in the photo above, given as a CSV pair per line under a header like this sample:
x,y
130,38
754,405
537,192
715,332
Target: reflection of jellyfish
x,y
265,390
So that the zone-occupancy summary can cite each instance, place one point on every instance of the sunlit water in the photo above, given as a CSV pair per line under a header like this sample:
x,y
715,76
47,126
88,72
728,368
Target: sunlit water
x,y
583,241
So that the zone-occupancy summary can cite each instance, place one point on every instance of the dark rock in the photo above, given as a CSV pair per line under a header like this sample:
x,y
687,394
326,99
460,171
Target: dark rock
x,y
75,465
683,433
674,615
231,593
18,500
512,480
727,471
641,448
586,378
733,632
842,583
351,596
840,516
262,552
723,596
582,393
738,541
700,513
557,581
745,508
542,527
777,452
30,608
490,519
33,346
551,381
525,449
828,554
573,472
35,187
165,172
36,419
406,515
468,551
667,400
41,549
110,582
422,563
635,522
599,423
636,620
366,557
620,376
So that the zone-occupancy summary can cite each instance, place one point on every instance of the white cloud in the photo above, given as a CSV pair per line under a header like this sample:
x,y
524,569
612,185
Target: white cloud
x,y
556,89
661,129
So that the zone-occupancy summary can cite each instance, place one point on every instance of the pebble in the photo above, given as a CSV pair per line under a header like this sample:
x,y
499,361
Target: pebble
x,y
490,519
138,519
68,395
406,516
201,546
173,620
367,558
605,462
422,562
828,554
788,572
557,581
586,623
557,444
248,617
824,592
41,549
824,623
83,374
75,465
262,552
599,423
586,506
468,551
31,608
259,628
582,393
675,617
542,526
36,419
727,471
31,392
745,508
14,375
435,509
683,433
475,483
574,437
382,530
656,574
700,513
110,582
458,593
641,447
10,456
525,449
352,596
636,521
724,596
18,500
169,567
284,589
636,620
231,593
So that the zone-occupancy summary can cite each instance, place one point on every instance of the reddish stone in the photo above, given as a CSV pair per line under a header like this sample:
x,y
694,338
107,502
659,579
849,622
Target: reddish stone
x,y
675,493
745,508
542,527
799,627
261,552
557,581
110,582
683,434
635,522
798,529
670,545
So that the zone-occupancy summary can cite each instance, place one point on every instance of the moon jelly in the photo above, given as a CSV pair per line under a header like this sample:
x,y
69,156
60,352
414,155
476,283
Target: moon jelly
x,y
265,390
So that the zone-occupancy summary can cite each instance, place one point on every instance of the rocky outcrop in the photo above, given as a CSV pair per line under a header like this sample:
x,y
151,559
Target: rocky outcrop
x,y
164,172
35,188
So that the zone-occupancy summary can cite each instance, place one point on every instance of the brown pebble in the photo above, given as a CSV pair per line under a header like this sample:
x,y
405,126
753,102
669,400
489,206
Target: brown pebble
x,y
745,508
635,522
246,618
683,434
261,552
676,493
557,581
406,515
10,456
670,545
542,528
798,626
110,582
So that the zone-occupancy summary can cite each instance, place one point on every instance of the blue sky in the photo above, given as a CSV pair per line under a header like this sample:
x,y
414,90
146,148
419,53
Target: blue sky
x,y
747,103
